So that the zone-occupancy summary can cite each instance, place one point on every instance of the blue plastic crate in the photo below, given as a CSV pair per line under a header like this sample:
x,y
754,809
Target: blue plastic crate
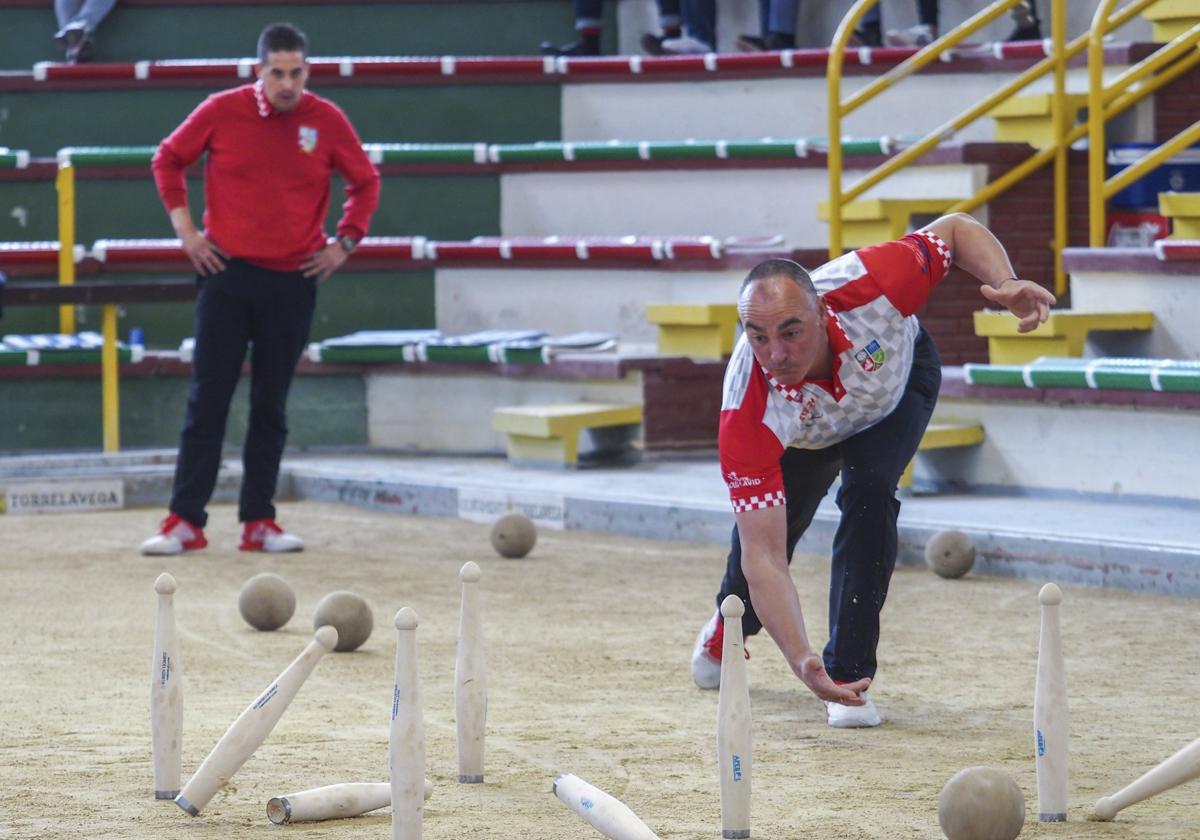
x,y
1179,174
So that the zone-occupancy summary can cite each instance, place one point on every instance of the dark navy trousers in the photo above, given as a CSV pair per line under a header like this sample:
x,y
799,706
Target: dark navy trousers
x,y
865,545
243,306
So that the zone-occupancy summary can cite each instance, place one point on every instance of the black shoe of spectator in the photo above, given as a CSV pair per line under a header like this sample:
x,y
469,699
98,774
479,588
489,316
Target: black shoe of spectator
x,y
584,46
750,43
780,41
653,44
869,35
83,50
1027,33
1028,28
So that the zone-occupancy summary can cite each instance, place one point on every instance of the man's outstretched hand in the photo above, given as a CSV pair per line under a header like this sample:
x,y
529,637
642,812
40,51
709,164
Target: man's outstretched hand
x,y
813,675
1023,298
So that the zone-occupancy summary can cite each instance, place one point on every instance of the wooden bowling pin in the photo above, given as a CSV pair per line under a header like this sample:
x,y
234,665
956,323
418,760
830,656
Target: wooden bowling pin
x,y
1051,720
733,725
470,680
333,802
406,760
604,812
1179,768
166,694
253,725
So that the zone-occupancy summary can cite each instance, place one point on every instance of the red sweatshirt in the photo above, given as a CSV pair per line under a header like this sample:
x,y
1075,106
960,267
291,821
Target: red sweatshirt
x,y
266,179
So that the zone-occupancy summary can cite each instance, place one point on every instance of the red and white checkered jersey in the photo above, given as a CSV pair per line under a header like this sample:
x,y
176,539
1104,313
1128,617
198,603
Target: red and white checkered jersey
x,y
871,295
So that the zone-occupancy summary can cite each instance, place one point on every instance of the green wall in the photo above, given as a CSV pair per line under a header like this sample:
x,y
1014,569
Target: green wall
x,y
437,207
322,410
231,30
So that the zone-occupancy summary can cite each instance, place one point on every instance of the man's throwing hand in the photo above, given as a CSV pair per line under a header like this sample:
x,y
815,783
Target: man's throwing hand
x,y
1023,298
813,674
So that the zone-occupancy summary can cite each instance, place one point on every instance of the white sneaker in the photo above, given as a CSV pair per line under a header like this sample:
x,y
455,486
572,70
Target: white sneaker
x,y
175,536
852,717
685,45
706,668
914,36
265,535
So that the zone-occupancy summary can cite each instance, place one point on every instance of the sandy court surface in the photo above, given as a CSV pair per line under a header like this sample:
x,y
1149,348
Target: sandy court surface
x,y
588,644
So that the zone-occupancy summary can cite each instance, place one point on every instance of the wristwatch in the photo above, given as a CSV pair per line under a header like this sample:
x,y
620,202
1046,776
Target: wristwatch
x,y
347,243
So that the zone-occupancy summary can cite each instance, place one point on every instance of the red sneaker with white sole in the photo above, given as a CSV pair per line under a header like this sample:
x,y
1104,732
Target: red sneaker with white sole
x,y
706,653
175,536
265,535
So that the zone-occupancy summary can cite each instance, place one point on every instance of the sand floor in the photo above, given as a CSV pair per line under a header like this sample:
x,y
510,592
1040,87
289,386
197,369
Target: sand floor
x,y
588,643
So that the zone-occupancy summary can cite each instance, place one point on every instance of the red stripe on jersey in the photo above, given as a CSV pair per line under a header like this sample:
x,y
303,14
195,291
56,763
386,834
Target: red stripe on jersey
x,y
907,270
750,451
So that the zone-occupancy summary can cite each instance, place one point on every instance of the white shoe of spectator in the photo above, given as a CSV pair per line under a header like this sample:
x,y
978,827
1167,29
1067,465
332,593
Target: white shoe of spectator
x,y
914,36
685,45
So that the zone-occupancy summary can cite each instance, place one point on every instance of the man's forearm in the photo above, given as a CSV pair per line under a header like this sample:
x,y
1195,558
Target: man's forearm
x,y
778,606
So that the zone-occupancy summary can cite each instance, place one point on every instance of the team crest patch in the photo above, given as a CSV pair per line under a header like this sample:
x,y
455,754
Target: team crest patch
x,y
871,357
308,139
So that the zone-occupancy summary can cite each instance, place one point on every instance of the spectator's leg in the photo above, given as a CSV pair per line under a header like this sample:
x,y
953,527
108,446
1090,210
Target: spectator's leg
x,y
222,332
589,24
700,21
864,549
670,18
870,32
65,11
284,304
807,474
94,11
781,24
927,12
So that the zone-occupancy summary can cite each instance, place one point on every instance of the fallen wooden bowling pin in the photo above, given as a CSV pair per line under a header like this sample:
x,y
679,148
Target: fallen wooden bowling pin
x,y
406,741
604,812
734,737
470,680
1179,768
166,694
253,726
333,802
1051,720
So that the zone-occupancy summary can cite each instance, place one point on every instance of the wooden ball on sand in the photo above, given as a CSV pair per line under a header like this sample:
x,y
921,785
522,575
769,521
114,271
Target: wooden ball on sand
x,y
266,601
950,554
347,613
981,803
513,535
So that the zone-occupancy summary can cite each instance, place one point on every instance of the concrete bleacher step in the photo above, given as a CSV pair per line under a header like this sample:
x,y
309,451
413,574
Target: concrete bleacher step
x,y
944,433
698,330
541,435
870,221
1065,333
1030,119
1171,18
1183,209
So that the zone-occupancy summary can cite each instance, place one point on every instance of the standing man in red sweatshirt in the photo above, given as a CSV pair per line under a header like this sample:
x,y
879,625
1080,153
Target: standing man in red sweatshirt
x,y
272,147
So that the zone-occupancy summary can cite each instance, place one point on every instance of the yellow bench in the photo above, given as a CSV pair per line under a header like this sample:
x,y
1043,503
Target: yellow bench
x,y
945,434
549,434
1171,18
874,220
1030,119
699,330
1063,334
1183,209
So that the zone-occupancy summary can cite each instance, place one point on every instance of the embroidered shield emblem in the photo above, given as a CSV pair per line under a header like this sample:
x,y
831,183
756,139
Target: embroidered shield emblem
x,y
308,139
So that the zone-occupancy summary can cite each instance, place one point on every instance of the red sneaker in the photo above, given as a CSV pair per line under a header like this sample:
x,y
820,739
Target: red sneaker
x,y
706,653
265,535
175,536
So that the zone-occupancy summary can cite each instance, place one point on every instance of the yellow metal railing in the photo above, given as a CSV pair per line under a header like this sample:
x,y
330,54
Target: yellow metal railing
x,y
1105,101
109,366
1126,90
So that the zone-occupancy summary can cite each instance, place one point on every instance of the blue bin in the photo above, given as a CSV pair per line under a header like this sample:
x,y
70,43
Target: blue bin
x,y
1179,174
